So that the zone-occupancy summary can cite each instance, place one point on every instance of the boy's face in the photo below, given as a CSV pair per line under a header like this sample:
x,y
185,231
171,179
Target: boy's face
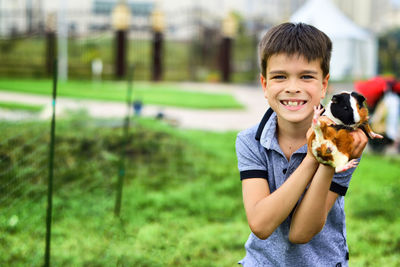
x,y
293,86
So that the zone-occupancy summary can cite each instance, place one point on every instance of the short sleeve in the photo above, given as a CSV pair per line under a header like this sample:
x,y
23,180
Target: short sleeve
x,y
250,161
340,182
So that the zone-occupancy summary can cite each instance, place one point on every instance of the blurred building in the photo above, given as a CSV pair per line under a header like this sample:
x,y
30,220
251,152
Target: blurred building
x,y
354,53
84,16
375,15
370,14
21,15
391,19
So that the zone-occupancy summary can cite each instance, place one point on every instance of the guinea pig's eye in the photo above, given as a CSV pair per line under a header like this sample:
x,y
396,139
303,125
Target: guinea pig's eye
x,y
345,108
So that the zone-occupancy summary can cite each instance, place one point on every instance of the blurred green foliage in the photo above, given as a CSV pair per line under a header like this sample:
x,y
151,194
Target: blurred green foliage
x,y
182,201
195,60
389,55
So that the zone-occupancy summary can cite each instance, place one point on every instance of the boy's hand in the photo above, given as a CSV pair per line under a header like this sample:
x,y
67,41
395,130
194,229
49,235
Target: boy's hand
x,y
360,142
309,153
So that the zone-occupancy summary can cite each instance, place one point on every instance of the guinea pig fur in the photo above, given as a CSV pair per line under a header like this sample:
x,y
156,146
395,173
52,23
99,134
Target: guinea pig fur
x,y
331,142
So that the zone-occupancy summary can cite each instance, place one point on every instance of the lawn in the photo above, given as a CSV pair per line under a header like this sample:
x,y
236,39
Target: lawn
x,y
162,94
181,205
373,212
21,107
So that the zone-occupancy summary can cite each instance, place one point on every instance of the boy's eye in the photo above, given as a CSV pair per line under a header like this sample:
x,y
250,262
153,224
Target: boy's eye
x,y
307,77
278,77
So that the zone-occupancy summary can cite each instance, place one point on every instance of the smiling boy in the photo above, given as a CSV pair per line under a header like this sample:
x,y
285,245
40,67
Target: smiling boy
x,y
294,205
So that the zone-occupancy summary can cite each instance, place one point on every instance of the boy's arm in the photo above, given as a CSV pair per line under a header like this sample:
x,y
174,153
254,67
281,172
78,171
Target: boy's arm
x,y
266,211
310,215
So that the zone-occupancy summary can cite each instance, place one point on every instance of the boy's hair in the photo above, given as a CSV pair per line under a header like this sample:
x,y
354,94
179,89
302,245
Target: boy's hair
x,y
295,39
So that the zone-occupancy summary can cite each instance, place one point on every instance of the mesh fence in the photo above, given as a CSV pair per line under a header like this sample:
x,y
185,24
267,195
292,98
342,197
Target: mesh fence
x,y
23,187
192,43
27,165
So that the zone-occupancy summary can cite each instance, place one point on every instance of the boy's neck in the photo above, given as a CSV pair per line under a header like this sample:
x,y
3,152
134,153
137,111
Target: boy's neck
x,y
292,136
293,130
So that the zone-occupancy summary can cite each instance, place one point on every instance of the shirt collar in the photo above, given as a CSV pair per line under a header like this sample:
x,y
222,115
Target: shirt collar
x,y
268,137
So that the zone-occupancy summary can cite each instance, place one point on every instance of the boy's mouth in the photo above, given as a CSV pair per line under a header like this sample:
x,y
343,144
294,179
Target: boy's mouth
x,y
293,103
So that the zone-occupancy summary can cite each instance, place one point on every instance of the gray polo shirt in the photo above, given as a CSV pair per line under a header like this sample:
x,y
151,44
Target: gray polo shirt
x,y
260,156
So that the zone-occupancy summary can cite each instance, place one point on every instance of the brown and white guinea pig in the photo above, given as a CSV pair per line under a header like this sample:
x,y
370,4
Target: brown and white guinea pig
x,y
331,142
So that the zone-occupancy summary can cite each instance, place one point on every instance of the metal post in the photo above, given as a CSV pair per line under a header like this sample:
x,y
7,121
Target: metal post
x,y
50,51
51,172
121,173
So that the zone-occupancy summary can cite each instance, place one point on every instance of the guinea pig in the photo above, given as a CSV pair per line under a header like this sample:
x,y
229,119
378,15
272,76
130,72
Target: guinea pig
x,y
331,142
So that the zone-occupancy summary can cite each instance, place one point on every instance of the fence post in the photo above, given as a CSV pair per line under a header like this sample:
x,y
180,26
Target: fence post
x,y
121,173
225,59
120,53
229,30
120,22
51,170
158,25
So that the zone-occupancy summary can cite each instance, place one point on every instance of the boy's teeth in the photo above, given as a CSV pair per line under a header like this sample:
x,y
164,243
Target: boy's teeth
x,y
293,103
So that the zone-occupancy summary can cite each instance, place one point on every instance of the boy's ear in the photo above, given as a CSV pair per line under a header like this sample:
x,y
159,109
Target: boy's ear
x,y
263,82
325,82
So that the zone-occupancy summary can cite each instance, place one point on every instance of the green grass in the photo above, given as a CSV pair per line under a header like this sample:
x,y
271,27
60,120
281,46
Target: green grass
x,y
168,203
182,201
149,93
373,212
19,106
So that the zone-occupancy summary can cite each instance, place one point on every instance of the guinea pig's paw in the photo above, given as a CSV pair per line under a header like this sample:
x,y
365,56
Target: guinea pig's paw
x,y
351,164
317,113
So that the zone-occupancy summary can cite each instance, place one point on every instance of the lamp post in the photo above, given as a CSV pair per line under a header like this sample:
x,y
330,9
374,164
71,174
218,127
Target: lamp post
x,y
120,22
229,30
158,26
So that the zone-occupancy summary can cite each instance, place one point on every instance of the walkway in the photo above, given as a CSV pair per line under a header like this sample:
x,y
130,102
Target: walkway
x,y
251,96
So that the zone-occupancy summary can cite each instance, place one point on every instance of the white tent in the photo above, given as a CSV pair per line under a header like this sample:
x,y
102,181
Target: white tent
x,y
354,53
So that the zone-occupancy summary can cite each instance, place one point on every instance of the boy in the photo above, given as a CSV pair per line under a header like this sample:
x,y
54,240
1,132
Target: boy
x,y
294,205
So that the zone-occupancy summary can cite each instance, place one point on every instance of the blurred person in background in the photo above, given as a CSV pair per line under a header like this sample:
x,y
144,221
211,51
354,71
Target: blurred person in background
x,y
392,102
383,102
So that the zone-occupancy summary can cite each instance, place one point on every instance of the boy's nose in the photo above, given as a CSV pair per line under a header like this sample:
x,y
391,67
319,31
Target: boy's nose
x,y
292,87
292,90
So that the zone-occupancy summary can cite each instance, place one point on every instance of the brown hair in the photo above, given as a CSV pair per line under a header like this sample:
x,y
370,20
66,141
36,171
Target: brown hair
x,y
295,38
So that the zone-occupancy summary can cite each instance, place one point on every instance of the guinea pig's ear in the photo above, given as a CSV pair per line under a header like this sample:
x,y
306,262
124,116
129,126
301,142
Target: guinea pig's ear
x,y
359,97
